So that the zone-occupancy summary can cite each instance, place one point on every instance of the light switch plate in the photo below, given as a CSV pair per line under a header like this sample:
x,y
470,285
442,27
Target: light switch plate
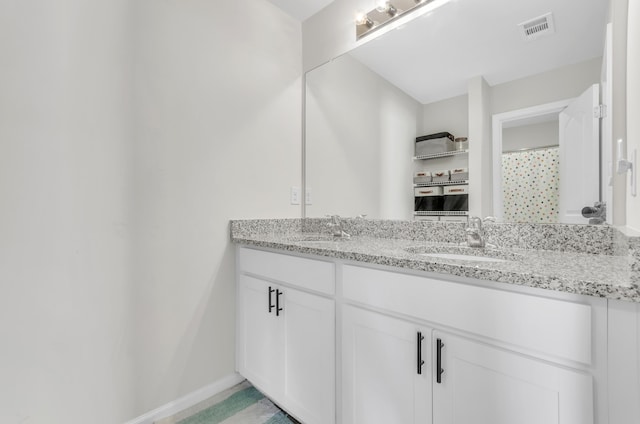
x,y
295,195
634,172
307,196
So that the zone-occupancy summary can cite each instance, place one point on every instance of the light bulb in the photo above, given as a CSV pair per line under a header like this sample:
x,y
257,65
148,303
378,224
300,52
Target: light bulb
x,y
382,5
363,19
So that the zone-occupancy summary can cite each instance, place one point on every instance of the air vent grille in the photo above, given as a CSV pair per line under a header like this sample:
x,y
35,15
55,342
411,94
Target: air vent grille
x,y
537,27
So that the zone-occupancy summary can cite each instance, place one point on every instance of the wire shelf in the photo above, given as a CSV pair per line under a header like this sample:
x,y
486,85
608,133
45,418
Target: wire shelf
x,y
441,155
444,183
441,213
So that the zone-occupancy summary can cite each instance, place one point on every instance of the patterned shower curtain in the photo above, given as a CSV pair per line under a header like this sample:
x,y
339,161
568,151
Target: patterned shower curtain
x,y
530,185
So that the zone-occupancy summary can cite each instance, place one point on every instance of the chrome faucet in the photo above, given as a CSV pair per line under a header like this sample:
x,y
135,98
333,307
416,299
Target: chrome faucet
x,y
336,227
475,232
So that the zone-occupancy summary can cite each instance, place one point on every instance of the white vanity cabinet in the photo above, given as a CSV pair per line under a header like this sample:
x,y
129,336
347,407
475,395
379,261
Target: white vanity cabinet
x,y
416,348
286,331
386,369
496,356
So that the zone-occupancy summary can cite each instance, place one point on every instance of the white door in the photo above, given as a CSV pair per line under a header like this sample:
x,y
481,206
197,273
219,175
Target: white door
x,y
261,339
579,157
380,365
309,349
481,384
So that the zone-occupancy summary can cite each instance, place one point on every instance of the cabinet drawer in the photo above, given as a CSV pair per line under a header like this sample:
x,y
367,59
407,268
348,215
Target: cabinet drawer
x,y
553,327
305,273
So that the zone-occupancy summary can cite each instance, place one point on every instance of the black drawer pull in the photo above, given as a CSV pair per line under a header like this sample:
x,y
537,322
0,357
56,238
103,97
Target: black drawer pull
x,y
271,306
439,369
420,361
278,308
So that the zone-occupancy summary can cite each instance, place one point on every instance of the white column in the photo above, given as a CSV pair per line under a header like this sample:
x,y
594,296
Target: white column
x,y
480,159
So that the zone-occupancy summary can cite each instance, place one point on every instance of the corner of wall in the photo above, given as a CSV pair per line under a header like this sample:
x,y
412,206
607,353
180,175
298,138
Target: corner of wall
x,y
633,106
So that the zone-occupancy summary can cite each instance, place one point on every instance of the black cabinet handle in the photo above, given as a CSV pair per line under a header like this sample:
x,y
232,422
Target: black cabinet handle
x,y
271,306
278,308
420,361
439,369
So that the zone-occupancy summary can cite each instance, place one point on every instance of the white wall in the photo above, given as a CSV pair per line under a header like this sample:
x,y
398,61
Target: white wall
x,y
218,95
65,220
117,185
530,136
559,84
331,32
450,115
633,107
359,144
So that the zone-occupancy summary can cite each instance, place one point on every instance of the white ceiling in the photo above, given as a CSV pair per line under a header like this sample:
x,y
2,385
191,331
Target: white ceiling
x,y
432,57
301,9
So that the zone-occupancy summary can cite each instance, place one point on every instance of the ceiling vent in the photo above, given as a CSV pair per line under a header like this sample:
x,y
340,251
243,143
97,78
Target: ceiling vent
x,y
537,27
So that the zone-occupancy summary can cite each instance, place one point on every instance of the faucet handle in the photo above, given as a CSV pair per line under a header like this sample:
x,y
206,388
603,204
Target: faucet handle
x,y
475,221
335,223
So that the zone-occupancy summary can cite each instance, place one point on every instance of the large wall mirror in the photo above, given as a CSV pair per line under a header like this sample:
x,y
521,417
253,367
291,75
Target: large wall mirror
x,y
365,108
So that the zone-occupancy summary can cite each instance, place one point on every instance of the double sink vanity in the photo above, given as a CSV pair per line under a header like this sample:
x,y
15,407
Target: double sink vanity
x,y
402,322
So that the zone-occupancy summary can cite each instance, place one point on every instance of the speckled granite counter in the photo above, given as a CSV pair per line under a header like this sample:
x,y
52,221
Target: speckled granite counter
x,y
590,260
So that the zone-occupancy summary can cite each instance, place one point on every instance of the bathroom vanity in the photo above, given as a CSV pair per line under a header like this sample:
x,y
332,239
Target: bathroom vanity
x,y
374,330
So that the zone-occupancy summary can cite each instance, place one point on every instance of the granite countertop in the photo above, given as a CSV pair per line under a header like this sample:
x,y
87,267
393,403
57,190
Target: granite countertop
x,y
610,275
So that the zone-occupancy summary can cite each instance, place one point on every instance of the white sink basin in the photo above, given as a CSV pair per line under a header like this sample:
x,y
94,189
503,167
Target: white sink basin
x,y
463,253
463,257
313,238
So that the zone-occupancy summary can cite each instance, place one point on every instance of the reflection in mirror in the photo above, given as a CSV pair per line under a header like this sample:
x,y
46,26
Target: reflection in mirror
x,y
357,127
548,160
530,169
364,109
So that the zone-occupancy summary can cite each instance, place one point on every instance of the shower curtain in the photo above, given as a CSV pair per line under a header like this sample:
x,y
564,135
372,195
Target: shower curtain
x,y
530,185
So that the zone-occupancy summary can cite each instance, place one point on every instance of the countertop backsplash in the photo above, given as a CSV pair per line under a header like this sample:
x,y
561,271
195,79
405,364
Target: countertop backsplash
x,y
594,239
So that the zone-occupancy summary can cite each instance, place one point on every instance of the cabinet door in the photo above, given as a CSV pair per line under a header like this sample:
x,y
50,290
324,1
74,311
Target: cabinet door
x,y
309,352
380,379
261,339
481,384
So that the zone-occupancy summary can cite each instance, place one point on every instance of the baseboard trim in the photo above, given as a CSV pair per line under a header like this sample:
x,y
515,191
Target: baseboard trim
x,y
188,400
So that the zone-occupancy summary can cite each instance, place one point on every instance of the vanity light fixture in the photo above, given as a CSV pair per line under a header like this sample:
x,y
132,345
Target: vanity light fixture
x,y
385,11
